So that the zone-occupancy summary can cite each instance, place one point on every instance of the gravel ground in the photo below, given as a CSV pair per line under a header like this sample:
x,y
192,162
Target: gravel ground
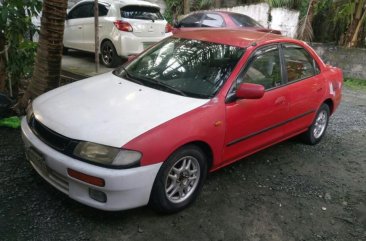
x,y
288,192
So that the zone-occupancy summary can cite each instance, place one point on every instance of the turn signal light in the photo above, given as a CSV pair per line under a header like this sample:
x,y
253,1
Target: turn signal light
x,y
123,26
96,181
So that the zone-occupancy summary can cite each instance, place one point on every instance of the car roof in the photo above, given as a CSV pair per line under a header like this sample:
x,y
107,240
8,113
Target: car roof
x,y
235,36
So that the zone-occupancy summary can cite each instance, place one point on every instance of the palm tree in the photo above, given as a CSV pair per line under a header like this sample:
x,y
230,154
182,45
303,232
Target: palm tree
x,y
292,4
305,29
2,63
47,68
358,17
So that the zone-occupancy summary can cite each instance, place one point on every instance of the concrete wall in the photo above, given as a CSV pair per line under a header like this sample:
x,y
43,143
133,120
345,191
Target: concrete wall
x,y
351,60
282,19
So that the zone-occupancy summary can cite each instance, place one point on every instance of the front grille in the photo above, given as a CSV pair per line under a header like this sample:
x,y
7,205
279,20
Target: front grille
x,y
51,138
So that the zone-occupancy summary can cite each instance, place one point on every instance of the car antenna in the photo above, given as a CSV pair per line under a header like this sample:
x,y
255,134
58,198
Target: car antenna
x,y
254,43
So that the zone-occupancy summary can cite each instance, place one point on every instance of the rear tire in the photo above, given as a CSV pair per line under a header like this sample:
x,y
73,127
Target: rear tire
x,y
108,54
179,180
317,129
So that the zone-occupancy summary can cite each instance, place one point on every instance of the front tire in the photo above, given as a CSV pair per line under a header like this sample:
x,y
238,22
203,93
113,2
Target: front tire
x,y
109,54
317,129
179,180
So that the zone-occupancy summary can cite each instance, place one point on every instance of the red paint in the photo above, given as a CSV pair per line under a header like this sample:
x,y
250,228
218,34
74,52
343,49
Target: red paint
x,y
281,113
250,91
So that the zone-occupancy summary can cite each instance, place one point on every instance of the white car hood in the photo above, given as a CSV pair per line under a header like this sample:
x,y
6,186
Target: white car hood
x,y
108,110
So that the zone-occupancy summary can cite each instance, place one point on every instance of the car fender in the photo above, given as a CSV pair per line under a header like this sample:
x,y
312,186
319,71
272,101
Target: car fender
x,y
203,124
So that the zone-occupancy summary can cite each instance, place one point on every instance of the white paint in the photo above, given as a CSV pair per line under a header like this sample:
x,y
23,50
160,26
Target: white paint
x,y
283,19
124,188
108,110
331,89
79,32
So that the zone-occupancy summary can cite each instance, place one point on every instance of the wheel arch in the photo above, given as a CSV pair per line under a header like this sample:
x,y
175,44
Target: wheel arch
x,y
105,40
205,147
330,104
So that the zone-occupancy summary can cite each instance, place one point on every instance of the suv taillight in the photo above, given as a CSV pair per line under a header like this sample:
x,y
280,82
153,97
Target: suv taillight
x,y
123,26
168,28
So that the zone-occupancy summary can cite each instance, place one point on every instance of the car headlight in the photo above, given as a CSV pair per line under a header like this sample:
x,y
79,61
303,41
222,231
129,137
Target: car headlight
x,y
29,112
107,155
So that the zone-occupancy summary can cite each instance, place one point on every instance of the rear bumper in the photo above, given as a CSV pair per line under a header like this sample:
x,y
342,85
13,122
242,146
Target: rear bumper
x,y
129,44
124,189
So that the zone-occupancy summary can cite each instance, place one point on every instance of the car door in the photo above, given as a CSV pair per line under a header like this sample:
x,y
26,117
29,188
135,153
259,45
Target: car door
x,y
252,124
305,85
77,18
88,27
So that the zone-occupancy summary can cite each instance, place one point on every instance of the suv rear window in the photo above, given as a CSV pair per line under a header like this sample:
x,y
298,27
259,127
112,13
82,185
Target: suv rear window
x,y
141,12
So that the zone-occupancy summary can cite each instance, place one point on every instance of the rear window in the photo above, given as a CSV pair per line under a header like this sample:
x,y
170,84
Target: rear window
x,y
141,12
244,21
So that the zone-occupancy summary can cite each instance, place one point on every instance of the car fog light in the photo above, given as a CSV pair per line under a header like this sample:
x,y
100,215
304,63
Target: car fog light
x,y
97,195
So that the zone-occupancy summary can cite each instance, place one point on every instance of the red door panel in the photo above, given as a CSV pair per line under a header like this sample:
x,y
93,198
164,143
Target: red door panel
x,y
253,124
304,97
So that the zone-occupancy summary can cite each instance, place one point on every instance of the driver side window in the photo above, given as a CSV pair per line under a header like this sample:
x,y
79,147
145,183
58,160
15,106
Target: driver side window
x,y
264,69
82,11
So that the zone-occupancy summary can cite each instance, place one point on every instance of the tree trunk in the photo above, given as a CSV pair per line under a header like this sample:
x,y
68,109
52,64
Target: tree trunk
x,y
2,64
217,3
186,7
305,30
47,68
351,36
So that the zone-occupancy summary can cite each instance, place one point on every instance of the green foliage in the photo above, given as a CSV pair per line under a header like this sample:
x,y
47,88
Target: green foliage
x,y
357,84
173,8
291,4
16,27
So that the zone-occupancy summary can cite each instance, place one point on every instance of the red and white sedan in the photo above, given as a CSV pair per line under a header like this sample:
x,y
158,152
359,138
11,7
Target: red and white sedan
x,y
150,131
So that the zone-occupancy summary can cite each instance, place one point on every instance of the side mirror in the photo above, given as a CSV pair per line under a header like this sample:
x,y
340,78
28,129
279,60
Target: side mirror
x,y
249,91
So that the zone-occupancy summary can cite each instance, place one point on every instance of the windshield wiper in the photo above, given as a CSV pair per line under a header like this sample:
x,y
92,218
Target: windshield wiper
x,y
170,87
159,83
131,77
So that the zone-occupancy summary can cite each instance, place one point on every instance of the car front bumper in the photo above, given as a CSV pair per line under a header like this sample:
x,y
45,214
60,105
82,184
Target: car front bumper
x,y
124,188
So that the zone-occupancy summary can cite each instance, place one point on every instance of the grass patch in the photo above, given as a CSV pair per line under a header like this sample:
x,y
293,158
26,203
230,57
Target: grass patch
x,y
356,84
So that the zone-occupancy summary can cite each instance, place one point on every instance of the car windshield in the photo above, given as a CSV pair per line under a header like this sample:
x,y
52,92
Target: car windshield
x,y
184,66
141,12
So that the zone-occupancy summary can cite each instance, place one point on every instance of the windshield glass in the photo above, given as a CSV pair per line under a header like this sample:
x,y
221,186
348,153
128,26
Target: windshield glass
x,y
184,66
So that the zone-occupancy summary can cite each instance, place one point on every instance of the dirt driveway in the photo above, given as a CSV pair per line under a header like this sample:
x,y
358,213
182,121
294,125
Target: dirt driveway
x,y
288,192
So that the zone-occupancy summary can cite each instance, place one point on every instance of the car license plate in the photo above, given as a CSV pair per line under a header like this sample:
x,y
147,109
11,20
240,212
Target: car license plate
x,y
37,159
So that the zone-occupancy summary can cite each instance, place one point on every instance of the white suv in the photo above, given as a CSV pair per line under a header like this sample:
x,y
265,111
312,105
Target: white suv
x,y
126,27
